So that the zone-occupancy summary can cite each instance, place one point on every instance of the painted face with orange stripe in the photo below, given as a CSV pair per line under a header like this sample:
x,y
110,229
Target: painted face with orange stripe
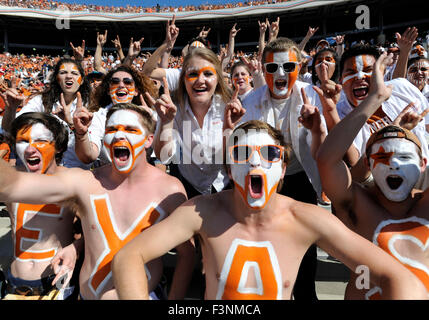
x,y
122,87
256,167
281,71
200,81
35,147
356,78
69,78
124,139
396,167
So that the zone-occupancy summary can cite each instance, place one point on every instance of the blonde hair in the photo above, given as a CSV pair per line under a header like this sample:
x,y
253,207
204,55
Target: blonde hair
x,y
222,88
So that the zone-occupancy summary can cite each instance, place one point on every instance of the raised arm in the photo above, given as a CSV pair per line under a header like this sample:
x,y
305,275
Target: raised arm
x,y
36,188
101,40
335,176
405,43
171,34
128,266
117,43
311,31
263,26
231,46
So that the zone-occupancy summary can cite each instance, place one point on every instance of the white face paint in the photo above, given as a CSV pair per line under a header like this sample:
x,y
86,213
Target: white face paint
x,y
359,65
395,165
41,139
418,73
124,140
256,190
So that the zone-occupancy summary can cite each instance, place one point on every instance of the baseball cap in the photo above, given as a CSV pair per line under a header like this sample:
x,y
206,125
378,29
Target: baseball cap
x,y
389,132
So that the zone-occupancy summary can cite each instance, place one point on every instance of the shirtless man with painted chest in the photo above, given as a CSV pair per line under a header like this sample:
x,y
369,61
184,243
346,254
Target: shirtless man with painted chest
x,y
116,202
391,212
44,249
253,239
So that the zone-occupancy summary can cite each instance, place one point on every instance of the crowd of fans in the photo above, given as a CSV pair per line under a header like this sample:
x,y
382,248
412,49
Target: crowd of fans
x,y
54,5
114,107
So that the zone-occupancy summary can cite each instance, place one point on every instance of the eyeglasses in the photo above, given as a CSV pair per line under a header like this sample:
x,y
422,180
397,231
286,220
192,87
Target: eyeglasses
x,y
127,81
272,67
269,153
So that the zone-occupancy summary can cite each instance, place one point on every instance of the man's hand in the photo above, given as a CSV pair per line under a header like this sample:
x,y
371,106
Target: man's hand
x,y
406,40
263,26
311,31
204,33
233,32
254,65
82,118
117,43
339,39
78,52
377,86
409,118
234,111
12,97
101,38
135,47
164,106
171,33
63,110
329,91
310,115
63,265
274,29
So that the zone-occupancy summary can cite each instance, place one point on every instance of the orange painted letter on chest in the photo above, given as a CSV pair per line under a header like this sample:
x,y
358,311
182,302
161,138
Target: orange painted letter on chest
x,y
113,239
26,234
250,272
407,240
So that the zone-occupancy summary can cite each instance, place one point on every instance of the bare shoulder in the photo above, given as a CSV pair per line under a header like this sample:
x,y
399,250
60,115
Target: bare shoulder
x,y
309,216
167,183
74,173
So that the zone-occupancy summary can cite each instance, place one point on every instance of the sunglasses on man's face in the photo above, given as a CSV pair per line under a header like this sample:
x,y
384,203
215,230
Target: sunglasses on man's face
x,y
126,81
272,67
269,153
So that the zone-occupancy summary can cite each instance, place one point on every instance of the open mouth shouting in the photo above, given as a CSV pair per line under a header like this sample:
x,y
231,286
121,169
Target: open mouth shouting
x,y
360,91
69,84
255,186
121,153
33,163
394,181
121,95
281,84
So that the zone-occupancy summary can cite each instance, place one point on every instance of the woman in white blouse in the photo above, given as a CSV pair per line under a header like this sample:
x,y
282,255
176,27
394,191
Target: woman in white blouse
x,y
190,129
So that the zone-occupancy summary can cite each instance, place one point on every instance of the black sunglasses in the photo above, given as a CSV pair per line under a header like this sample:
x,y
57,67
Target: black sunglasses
x,y
127,81
288,67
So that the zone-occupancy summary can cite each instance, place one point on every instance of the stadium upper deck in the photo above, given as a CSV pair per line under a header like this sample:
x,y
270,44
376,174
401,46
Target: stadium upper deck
x,y
29,30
